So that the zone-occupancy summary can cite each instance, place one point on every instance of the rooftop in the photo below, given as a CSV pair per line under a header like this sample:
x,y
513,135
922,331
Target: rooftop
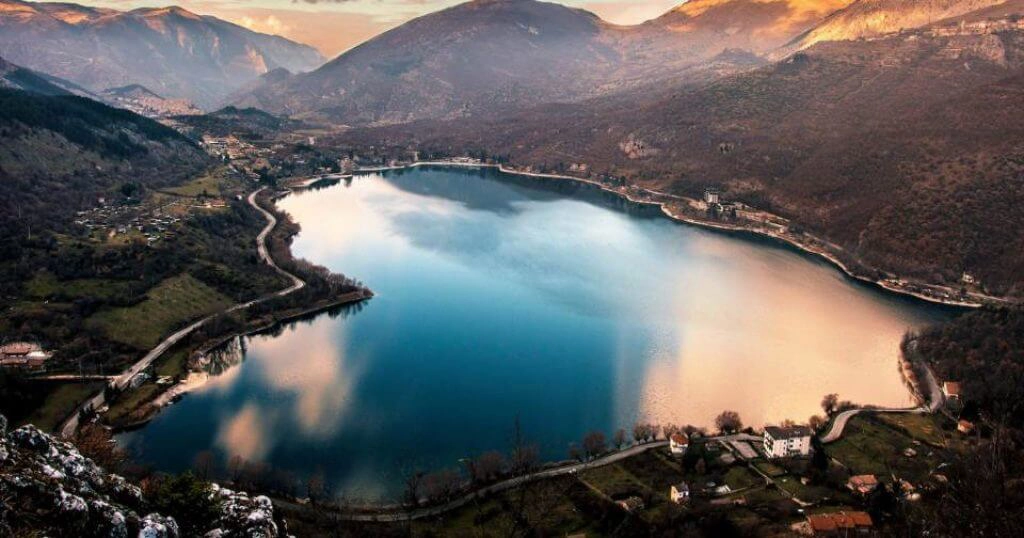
x,y
790,432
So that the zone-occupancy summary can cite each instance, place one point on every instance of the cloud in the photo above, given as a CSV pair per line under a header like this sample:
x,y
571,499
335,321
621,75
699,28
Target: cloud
x,y
267,25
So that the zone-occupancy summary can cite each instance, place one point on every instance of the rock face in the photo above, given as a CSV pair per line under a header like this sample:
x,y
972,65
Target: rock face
x,y
171,51
48,487
872,18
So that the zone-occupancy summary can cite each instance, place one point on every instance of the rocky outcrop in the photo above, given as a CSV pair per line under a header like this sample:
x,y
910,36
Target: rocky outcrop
x,y
47,487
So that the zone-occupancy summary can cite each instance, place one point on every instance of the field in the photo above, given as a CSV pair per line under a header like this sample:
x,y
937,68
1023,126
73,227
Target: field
x,y
873,445
168,306
45,285
60,403
208,185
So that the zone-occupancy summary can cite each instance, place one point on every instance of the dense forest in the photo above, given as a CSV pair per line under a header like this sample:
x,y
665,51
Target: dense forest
x,y
984,351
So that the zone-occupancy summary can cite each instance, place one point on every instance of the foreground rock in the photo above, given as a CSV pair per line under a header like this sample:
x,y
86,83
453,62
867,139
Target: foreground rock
x,y
47,487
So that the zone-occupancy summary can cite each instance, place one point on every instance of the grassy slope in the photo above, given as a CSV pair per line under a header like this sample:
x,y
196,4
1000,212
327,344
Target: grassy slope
x,y
167,306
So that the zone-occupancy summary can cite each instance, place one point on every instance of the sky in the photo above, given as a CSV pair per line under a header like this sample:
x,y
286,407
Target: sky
x,y
333,26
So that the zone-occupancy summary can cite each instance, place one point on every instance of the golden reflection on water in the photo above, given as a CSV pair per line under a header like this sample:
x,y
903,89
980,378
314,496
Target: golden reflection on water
x,y
732,324
318,381
752,339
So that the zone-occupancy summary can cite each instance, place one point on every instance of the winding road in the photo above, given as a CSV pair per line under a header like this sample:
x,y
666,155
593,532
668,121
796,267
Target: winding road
x,y
504,485
70,426
935,401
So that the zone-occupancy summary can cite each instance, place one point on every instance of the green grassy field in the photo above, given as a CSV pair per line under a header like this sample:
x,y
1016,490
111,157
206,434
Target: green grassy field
x,y
870,446
921,427
210,184
44,285
60,403
169,305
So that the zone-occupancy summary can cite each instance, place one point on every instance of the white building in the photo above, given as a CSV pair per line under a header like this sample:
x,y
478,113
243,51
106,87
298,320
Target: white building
x,y
678,443
787,442
711,196
680,493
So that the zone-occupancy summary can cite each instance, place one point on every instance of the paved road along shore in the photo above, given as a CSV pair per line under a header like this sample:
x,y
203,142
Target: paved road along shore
x,y
70,426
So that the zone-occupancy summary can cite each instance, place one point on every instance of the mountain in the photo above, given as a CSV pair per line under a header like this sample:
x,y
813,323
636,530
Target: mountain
x,y
709,26
142,100
172,51
60,152
900,149
490,55
873,18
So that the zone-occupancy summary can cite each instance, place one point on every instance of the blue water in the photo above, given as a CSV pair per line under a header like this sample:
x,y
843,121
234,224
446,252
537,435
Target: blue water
x,y
501,297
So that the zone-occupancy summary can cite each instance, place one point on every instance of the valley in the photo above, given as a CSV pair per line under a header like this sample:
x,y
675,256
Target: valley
x,y
746,268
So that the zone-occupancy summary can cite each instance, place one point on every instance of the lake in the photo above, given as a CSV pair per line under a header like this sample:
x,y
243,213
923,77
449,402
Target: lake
x,y
500,297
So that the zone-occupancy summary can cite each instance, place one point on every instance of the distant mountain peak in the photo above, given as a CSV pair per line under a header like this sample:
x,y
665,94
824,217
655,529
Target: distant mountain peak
x,y
170,50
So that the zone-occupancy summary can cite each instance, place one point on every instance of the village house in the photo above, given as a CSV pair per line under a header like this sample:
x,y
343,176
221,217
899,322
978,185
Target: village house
x,y
23,356
711,196
863,484
631,504
840,524
678,443
680,493
787,442
951,390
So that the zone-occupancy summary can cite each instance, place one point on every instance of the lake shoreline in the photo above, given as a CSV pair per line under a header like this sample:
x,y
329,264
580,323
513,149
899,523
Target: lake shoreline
x,y
804,246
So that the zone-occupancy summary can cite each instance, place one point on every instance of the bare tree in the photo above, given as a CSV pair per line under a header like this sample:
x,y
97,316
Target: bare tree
x,y
575,452
413,488
639,432
96,443
668,429
442,485
619,439
594,444
829,403
728,422
316,486
487,466
203,464
525,456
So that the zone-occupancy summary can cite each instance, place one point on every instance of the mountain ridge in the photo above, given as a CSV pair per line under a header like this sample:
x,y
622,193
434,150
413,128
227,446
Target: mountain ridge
x,y
170,50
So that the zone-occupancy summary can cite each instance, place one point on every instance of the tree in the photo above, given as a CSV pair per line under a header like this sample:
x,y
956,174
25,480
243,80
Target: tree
x,y
413,488
487,466
668,429
728,422
829,403
96,443
619,439
816,422
442,485
524,455
575,453
185,498
203,464
594,444
639,432
316,486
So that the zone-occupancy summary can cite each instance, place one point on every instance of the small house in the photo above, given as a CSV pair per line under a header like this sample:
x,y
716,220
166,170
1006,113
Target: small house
x,y
23,356
680,493
863,484
839,523
631,504
951,390
678,443
786,442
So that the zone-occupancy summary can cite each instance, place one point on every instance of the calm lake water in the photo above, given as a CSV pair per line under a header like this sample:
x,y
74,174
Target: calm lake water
x,y
500,297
